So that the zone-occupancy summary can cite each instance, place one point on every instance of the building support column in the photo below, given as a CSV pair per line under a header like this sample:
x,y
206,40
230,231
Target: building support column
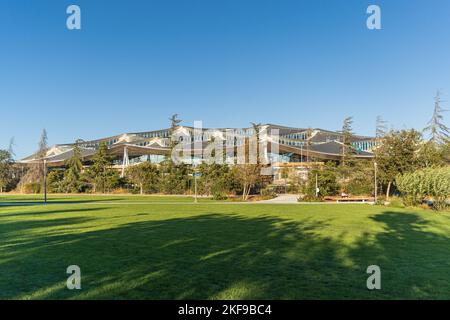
x,y
125,162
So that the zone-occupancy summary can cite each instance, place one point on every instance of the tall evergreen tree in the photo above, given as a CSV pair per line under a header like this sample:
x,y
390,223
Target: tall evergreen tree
x,y
381,128
74,166
6,169
100,172
43,144
11,146
35,172
347,132
439,132
174,123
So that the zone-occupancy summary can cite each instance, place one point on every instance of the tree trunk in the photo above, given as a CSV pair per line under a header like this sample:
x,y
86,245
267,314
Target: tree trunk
x,y
142,189
244,191
388,190
248,192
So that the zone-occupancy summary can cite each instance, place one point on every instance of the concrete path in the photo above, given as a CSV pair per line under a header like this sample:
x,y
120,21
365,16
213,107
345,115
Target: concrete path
x,y
282,198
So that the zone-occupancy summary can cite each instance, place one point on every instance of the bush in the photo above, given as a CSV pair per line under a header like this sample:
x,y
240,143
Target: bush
x,y
396,203
219,196
32,187
417,186
309,198
268,192
326,181
120,191
381,201
359,188
54,181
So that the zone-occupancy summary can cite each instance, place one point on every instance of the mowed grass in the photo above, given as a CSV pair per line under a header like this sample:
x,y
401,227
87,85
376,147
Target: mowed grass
x,y
180,250
82,198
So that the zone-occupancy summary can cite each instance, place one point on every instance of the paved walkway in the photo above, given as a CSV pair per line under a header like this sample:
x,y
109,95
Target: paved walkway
x,y
282,198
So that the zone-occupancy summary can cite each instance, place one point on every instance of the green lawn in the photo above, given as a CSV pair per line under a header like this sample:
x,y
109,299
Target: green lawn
x,y
67,199
177,250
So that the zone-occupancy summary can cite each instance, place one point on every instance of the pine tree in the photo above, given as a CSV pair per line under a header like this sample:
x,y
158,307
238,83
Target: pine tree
x,y
35,173
381,128
72,174
43,144
100,172
174,122
347,132
11,146
439,132
6,169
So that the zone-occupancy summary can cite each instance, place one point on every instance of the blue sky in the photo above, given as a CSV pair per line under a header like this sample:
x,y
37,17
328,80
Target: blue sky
x,y
226,62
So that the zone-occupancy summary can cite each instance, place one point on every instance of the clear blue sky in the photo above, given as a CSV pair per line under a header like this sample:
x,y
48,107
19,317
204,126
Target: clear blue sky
x,y
226,62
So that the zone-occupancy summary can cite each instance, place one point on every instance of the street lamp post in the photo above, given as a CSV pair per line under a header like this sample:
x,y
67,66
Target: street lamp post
x,y
317,188
45,181
195,187
375,182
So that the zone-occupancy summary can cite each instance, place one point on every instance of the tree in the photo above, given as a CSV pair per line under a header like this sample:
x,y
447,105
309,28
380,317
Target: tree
x,y
43,144
215,179
326,180
6,169
101,174
35,172
72,174
439,132
174,177
347,134
430,182
174,123
55,181
347,152
397,154
381,129
248,176
430,155
146,176
445,151
11,146
361,178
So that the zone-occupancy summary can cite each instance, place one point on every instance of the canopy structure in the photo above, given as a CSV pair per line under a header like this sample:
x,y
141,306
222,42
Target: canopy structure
x,y
286,143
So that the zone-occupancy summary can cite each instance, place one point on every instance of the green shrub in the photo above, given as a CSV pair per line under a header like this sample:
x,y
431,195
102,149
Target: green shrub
x,y
326,181
396,203
433,183
268,192
54,181
359,188
309,198
219,196
32,187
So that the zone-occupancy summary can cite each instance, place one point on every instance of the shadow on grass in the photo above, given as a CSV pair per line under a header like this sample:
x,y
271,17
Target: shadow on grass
x,y
15,201
45,212
222,255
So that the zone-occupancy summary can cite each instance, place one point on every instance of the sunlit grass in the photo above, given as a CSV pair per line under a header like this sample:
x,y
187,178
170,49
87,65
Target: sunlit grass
x,y
179,250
